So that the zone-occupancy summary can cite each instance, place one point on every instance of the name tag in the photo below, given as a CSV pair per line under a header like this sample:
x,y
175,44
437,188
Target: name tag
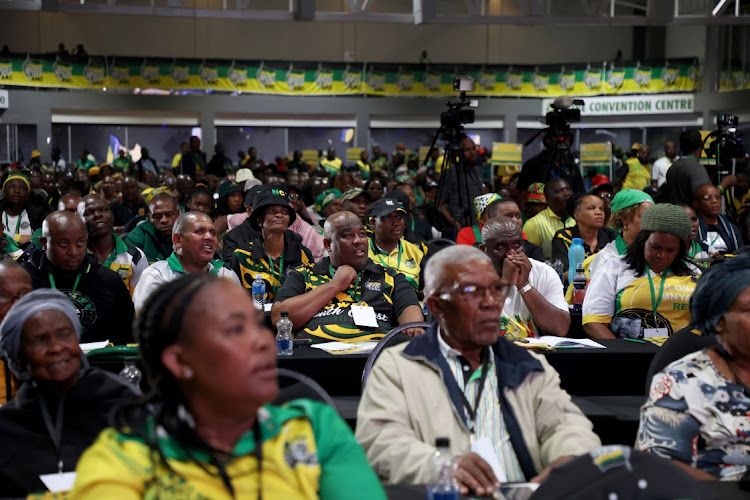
x,y
483,447
364,316
655,332
57,482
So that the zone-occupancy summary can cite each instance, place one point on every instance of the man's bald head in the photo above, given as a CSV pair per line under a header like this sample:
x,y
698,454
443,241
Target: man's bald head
x,y
69,202
338,220
345,240
64,237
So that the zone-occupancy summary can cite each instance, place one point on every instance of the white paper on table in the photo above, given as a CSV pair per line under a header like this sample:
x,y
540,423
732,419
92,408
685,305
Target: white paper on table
x,y
346,347
553,341
483,447
57,482
90,346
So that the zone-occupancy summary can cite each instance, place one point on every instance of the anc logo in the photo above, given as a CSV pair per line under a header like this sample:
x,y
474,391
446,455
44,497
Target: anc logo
x,y
85,309
410,263
278,192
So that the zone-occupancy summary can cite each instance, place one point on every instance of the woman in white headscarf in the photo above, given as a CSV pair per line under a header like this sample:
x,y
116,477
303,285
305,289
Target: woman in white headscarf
x,y
62,404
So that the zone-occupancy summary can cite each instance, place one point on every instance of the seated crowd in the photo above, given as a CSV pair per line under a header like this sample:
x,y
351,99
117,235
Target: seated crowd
x,y
166,258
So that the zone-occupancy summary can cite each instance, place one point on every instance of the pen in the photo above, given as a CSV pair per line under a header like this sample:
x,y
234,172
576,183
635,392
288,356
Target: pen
x,y
635,340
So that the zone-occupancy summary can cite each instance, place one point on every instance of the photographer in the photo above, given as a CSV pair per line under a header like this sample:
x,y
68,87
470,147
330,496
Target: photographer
x,y
460,186
556,161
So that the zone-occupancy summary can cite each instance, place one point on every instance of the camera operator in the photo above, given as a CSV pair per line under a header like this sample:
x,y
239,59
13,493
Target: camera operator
x,y
687,174
457,195
556,161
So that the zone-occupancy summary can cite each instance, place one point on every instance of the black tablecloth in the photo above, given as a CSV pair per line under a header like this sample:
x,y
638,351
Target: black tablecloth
x,y
618,370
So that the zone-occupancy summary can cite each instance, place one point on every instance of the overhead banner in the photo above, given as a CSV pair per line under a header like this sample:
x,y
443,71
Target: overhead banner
x,y
736,79
306,78
632,105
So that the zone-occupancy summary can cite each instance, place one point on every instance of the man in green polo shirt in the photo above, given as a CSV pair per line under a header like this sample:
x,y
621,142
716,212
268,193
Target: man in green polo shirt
x,y
346,297
388,247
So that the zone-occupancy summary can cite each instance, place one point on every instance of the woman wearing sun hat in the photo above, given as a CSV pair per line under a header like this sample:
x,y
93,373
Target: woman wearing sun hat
x,y
652,282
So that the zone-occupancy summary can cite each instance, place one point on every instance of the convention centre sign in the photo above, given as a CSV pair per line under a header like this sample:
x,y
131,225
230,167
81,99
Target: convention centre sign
x,y
659,104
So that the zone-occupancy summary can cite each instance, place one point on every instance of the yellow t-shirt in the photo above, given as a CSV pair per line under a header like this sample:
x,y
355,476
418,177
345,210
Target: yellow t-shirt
x,y
639,177
406,259
543,226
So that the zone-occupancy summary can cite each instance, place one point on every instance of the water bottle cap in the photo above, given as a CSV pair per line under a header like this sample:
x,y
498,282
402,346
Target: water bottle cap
x,y
579,267
284,314
258,276
577,241
442,442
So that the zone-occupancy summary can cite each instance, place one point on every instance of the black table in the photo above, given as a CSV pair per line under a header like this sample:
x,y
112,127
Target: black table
x,y
618,370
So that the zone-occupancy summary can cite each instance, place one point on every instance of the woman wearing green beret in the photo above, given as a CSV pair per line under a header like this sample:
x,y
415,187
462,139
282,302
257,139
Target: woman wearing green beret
x,y
627,207
646,292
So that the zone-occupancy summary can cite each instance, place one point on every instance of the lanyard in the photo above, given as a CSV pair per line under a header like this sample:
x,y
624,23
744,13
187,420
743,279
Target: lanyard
x,y
710,245
54,431
477,234
377,252
18,222
654,301
412,223
356,286
480,388
273,272
75,285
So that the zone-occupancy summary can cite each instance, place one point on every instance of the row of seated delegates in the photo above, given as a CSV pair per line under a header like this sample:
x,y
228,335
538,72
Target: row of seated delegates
x,y
543,226
269,247
462,381
697,407
208,427
194,244
100,296
535,304
320,299
62,404
587,210
646,291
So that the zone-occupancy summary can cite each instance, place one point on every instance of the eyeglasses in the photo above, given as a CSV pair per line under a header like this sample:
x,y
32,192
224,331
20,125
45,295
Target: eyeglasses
x,y
606,196
293,197
707,197
474,294
393,218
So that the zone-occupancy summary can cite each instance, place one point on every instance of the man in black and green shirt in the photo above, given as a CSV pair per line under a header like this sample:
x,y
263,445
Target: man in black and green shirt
x,y
333,300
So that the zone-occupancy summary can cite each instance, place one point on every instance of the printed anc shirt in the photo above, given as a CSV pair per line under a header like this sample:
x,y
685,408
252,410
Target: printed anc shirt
x,y
516,319
616,290
698,417
128,261
252,260
405,259
168,270
385,290
308,453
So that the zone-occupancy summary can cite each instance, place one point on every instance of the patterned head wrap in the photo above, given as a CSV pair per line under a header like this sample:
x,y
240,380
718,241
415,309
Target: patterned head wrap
x,y
324,198
481,203
535,193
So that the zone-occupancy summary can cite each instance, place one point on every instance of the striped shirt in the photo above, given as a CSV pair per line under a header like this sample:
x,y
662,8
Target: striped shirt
x,y
489,421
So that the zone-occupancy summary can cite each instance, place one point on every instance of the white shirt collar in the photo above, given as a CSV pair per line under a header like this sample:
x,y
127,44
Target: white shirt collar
x,y
446,350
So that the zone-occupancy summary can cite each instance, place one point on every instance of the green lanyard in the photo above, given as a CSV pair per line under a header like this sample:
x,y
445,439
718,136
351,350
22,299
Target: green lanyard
x,y
18,222
75,285
477,233
654,301
273,272
356,285
377,252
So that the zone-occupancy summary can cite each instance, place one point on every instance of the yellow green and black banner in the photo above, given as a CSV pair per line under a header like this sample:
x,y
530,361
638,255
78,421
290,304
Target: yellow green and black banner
x,y
306,78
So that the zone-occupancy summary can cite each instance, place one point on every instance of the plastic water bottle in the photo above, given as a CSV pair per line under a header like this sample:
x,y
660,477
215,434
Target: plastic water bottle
x,y
579,289
284,339
131,373
259,292
576,254
442,485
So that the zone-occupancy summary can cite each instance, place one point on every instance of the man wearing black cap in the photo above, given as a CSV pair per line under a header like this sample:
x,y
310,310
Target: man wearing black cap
x,y
275,248
356,200
388,246
346,297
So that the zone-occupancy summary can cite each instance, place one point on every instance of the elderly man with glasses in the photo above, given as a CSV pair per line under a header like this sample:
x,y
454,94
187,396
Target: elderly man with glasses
x,y
460,380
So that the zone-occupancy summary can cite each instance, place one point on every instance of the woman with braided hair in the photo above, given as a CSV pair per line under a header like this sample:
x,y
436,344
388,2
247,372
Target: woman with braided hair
x,y
205,428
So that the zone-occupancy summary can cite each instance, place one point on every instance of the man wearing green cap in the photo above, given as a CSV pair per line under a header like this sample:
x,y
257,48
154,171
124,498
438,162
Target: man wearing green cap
x,y
651,284
327,203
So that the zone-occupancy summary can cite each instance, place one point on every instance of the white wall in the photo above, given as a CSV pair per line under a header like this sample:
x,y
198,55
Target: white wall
x,y
228,39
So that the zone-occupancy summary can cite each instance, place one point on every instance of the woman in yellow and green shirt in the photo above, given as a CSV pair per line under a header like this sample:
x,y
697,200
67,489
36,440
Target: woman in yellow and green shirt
x,y
651,283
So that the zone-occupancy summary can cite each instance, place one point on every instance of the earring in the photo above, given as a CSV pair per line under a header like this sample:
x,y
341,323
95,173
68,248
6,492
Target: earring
x,y
188,373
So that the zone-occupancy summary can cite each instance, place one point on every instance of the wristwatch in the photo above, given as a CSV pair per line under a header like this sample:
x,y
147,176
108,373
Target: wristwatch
x,y
525,288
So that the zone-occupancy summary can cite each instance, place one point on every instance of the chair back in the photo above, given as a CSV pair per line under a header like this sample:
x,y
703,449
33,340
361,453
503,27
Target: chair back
x,y
294,385
679,345
390,339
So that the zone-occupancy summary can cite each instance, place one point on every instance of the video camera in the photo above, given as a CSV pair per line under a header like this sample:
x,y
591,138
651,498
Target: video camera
x,y
557,133
457,115
727,143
